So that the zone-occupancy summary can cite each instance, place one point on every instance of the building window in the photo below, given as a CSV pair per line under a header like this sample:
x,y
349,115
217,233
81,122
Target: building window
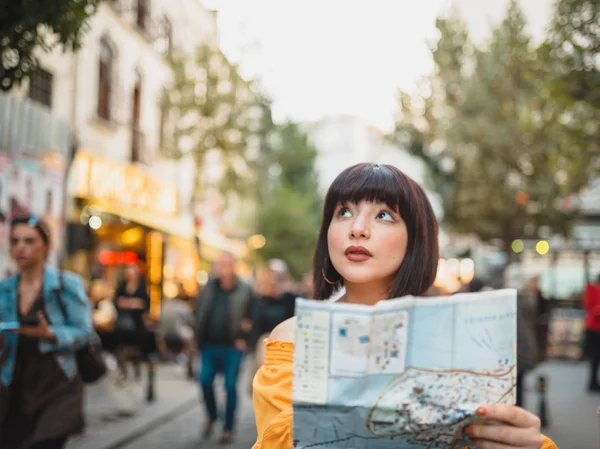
x,y
165,40
164,119
143,12
40,87
105,81
137,138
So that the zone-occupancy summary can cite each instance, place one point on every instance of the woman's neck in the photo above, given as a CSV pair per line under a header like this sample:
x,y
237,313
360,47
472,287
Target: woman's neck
x,y
31,274
367,294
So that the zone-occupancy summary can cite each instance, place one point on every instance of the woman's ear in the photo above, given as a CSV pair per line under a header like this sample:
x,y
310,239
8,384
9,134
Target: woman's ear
x,y
47,250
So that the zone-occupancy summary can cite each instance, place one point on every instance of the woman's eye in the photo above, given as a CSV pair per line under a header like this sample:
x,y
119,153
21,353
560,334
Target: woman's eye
x,y
345,212
383,215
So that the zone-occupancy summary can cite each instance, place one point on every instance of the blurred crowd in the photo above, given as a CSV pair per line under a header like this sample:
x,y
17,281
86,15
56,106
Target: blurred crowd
x,y
229,318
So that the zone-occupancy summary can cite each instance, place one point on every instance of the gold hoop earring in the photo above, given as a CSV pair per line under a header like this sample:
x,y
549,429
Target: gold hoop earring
x,y
325,277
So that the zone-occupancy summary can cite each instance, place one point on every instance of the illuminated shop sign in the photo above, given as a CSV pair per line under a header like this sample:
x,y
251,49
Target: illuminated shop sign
x,y
112,182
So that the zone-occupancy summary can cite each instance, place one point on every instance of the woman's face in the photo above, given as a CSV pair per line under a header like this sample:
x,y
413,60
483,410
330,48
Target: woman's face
x,y
131,273
367,242
27,246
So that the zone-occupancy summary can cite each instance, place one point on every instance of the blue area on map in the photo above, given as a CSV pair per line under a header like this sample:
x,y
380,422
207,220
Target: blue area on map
x,y
430,337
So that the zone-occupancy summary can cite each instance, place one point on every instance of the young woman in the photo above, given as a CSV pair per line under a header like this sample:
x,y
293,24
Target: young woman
x,y
378,240
41,393
131,302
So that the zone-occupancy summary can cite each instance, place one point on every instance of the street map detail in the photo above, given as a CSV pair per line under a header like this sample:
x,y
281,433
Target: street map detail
x,y
408,373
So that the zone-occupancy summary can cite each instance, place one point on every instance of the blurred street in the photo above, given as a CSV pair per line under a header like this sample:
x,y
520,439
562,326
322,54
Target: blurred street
x,y
573,420
119,417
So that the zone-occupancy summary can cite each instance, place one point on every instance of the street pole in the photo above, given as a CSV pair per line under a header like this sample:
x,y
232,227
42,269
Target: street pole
x,y
542,385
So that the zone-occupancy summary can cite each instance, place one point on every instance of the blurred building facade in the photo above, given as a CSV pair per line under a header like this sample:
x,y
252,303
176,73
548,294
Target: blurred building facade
x,y
34,148
125,201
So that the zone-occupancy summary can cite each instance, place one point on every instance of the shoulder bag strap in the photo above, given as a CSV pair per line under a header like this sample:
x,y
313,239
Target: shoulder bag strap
x,y
58,296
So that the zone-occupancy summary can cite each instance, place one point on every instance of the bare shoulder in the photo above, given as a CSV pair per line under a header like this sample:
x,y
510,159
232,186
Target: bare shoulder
x,y
285,331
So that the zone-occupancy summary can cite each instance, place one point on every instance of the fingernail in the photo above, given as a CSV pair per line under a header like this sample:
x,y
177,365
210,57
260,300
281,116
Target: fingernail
x,y
481,411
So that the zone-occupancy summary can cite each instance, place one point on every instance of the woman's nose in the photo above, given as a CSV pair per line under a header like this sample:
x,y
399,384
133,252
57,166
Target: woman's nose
x,y
359,230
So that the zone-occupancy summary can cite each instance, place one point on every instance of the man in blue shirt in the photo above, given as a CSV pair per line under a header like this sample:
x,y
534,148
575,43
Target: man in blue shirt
x,y
223,324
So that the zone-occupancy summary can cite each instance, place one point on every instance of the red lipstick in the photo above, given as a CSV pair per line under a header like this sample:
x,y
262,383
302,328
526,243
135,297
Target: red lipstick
x,y
358,253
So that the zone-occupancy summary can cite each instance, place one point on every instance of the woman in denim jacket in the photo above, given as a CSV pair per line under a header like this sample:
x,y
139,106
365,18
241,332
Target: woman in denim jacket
x,y
41,393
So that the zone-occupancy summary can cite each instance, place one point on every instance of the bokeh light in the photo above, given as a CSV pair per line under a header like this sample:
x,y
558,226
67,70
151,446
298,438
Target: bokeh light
x,y
518,246
542,247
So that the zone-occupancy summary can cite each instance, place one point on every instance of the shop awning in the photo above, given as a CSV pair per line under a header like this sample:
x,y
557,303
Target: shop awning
x,y
177,226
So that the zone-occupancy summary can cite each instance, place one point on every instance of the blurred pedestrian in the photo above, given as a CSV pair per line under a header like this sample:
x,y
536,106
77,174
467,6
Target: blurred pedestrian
x,y
223,325
591,304
543,309
132,302
528,351
476,285
175,330
275,305
307,286
39,382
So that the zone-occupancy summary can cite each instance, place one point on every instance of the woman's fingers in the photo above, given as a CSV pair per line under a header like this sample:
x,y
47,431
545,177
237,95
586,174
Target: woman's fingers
x,y
504,435
484,444
511,427
43,322
509,414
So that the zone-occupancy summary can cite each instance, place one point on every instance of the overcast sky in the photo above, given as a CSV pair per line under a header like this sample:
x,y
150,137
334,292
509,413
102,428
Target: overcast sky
x,y
325,57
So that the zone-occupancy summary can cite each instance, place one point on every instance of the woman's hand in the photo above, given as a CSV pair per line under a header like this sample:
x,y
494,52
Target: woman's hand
x,y
515,428
41,330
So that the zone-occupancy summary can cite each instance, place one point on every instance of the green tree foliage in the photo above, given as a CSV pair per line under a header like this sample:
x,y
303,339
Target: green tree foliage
x,y
490,127
28,25
210,108
263,148
289,218
571,77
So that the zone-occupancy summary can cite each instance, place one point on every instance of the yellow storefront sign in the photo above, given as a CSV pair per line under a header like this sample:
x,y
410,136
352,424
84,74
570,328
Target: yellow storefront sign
x,y
110,182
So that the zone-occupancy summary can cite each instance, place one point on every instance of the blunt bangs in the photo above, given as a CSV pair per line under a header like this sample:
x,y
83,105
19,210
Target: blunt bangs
x,y
369,182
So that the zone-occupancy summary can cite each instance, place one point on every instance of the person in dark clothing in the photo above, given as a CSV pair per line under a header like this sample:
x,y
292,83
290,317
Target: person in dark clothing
x,y
41,393
271,311
132,302
223,324
528,351
542,325
275,305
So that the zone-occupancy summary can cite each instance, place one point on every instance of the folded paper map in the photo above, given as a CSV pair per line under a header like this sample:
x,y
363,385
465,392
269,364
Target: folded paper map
x,y
407,373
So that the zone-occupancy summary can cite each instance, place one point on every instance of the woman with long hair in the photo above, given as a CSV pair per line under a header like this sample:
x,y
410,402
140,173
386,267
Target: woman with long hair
x,y
41,393
132,302
379,240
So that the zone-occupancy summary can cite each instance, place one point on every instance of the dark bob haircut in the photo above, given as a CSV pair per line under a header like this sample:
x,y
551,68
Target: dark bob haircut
x,y
385,184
